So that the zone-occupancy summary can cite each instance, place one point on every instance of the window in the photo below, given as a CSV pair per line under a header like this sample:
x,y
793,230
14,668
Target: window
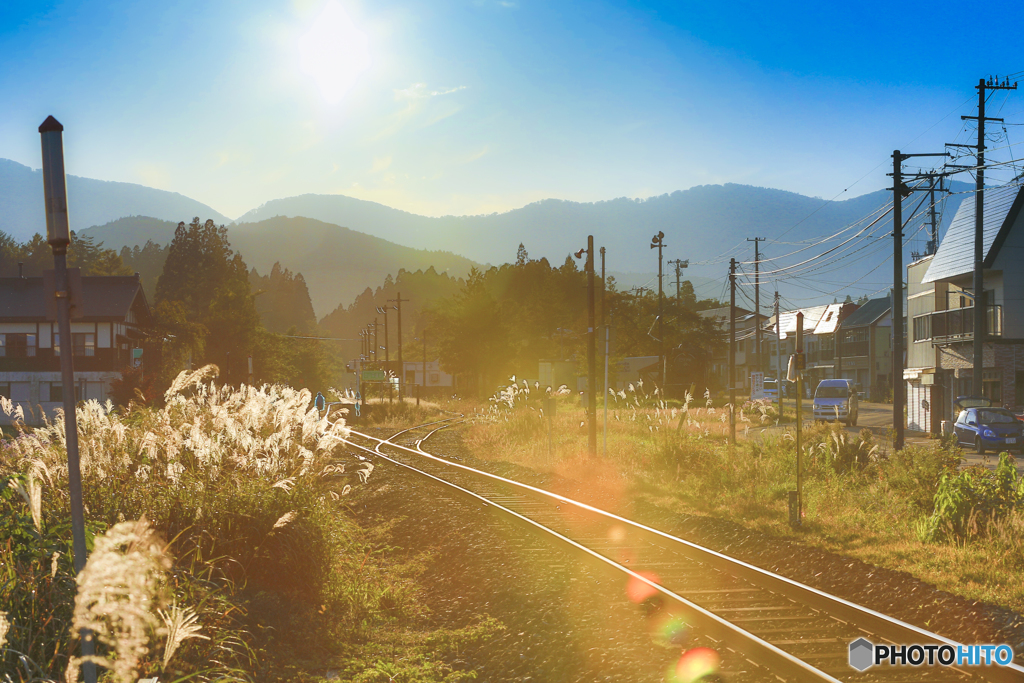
x,y
922,328
14,345
54,392
5,390
84,343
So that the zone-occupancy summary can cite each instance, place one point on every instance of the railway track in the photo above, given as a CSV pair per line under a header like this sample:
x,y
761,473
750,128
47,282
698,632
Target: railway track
x,y
765,626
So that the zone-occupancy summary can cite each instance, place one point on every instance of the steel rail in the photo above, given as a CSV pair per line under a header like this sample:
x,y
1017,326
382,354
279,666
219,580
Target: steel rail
x,y
888,628
780,662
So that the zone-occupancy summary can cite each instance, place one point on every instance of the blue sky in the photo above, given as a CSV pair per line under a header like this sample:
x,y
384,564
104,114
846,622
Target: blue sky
x,y
475,106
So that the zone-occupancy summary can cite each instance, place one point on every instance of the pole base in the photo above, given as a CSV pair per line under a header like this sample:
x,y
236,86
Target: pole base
x,y
794,510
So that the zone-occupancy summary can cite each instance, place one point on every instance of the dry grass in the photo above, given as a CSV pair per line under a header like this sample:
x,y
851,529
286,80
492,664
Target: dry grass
x,y
856,502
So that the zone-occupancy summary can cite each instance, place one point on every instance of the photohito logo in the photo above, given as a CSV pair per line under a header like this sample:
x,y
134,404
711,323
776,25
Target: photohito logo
x,y
864,655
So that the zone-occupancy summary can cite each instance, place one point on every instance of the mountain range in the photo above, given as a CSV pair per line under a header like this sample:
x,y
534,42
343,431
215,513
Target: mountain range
x,y
342,245
90,202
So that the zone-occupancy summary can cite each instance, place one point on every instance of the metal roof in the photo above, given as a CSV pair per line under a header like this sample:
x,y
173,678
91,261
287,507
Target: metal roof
x,y
108,297
955,256
829,319
869,313
812,316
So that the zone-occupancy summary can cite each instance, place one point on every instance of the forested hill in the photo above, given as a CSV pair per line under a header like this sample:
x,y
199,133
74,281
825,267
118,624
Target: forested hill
x,y
699,223
90,202
336,263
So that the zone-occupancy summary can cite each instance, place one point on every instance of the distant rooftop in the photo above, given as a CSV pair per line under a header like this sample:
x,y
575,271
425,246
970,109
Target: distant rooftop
x,y
869,313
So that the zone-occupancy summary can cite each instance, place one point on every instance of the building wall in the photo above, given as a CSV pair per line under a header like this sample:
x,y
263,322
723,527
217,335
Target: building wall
x,y
920,301
1008,262
1000,362
31,391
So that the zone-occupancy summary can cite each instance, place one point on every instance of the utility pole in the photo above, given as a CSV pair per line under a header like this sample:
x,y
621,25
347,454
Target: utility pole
x,y
51,134
401,367
732,351
899,192
778,355
591,351
376,343
383,310
424,366
658,242
604,326
757,303
980,305
679,264
800,364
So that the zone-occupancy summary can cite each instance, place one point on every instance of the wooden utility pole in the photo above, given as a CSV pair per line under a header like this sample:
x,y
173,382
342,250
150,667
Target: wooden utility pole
x,y
732,351
778,354
591,352
604,326
799,363
757,303
401,366
679,264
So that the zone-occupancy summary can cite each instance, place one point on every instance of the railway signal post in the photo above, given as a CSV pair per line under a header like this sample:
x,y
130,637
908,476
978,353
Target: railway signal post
x,y
58,236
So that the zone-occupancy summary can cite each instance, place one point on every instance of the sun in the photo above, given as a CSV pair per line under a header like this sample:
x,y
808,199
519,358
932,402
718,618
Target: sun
x,y
334,52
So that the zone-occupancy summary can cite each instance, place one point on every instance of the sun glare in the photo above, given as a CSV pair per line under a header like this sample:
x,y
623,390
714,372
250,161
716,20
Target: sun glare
x,y
334,52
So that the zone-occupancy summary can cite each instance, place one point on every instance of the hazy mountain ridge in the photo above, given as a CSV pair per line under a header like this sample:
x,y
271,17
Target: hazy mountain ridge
x,y
700,223
90,202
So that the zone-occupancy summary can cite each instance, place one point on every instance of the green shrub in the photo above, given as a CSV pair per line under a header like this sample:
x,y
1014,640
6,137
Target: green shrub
x,y
968,502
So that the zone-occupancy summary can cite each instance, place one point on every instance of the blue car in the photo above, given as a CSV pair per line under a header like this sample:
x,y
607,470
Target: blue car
x,y
989,429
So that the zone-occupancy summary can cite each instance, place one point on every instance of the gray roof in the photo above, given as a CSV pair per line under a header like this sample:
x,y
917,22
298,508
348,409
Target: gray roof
x,y
105,298
955,256
868,314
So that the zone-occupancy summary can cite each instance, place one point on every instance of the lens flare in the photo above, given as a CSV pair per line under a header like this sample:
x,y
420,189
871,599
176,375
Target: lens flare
x,y
640,591
669,629
699,665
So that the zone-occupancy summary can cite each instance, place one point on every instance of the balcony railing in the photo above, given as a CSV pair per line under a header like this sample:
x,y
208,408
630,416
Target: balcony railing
x,y
956,324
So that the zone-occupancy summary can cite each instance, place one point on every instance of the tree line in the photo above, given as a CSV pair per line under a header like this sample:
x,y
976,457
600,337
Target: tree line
x,y
506,319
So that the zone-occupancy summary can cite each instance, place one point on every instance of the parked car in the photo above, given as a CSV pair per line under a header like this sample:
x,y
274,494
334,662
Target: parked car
x,y
836,399
989,429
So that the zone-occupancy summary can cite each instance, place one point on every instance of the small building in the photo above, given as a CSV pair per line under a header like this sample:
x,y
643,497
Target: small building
x,y
820,326
106,326
865,351
435,379
941,306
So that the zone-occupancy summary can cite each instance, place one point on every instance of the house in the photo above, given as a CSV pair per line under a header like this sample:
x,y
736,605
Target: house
x,y
820,324
941,304
436,378
865,350
107,325
746,353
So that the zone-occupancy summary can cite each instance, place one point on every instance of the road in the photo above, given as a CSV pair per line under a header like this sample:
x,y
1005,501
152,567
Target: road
x,y
878,418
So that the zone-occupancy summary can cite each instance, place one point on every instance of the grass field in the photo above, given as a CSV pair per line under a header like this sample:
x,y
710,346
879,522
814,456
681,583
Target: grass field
x,y
911,510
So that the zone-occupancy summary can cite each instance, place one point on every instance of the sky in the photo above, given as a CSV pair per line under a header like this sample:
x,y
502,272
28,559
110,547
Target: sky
x,y
480,106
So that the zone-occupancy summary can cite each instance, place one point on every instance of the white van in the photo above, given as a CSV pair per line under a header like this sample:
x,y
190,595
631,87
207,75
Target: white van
x,y
836,399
